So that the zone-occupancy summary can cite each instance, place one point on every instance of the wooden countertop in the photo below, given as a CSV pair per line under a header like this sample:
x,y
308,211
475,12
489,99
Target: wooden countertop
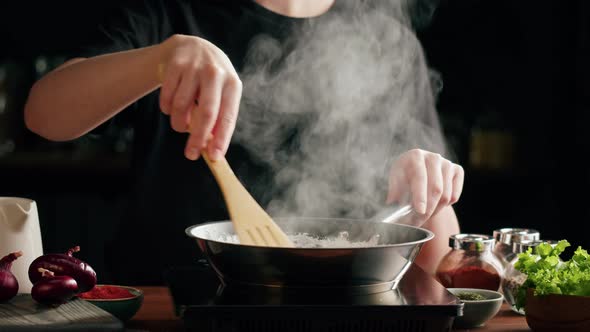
x,y
157,314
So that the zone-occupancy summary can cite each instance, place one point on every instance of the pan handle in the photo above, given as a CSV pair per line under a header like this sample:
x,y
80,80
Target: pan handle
x,y
393,214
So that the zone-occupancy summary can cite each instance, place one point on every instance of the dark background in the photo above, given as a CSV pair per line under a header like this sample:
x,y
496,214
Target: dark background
x,y
514,107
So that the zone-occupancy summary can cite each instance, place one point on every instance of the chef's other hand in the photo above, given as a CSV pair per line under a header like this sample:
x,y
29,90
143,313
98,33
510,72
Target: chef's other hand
x,y
434,181
201,92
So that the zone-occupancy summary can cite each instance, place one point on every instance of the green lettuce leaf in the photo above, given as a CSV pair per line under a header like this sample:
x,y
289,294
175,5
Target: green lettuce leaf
x,y
548,274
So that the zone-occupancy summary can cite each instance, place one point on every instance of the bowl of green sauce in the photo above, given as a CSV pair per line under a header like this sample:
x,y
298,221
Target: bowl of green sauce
x,y
479,306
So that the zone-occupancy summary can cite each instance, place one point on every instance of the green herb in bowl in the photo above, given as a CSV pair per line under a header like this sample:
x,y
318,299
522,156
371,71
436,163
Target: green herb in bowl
x,y
479,306
470,296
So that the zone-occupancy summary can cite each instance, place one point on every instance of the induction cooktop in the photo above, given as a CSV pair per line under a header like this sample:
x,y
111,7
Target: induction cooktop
x,y
419,303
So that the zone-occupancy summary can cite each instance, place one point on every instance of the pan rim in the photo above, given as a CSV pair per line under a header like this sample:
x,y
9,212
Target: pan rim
x,y
429,235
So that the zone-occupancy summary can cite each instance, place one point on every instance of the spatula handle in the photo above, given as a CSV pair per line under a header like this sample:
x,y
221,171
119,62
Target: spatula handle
x,y
233,190
220,168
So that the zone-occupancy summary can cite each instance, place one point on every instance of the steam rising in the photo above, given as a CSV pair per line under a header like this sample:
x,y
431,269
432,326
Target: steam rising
x,y
332,106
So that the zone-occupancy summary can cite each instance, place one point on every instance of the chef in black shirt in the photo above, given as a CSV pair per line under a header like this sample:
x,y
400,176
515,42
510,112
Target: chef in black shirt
x,y
203,45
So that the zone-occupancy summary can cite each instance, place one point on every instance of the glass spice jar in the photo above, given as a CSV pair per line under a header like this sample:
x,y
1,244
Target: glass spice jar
x,y
513,278
470,264
506,237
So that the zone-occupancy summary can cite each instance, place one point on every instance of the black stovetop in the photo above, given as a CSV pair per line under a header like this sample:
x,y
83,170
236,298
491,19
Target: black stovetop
x,y
419,303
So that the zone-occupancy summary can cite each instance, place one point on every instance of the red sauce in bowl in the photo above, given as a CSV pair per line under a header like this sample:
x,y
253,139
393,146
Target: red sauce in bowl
x,y
106,292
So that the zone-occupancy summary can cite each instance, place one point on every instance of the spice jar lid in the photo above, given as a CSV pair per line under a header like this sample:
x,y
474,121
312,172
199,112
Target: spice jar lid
x,y
522,246
475,242
512,235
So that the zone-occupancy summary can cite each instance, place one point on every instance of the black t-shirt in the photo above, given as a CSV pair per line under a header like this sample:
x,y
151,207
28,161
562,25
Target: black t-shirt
x,y
170,192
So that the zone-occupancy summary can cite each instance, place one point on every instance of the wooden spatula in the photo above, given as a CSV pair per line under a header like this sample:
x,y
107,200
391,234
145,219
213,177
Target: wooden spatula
x,y
252,224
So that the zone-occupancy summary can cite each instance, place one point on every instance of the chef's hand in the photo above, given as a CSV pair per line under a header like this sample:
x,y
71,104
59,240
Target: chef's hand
x,y
434,181
197,72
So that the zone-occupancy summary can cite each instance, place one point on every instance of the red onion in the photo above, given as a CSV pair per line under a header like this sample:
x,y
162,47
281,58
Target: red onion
x,y
53,290
8,283
65,265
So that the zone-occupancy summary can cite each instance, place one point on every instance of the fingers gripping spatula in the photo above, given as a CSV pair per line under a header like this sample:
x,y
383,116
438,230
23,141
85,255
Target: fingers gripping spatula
x,y
252,224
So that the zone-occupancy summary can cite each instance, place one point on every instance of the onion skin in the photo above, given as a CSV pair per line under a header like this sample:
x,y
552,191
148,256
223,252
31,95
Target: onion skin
x,y
65,265
8,282
53,290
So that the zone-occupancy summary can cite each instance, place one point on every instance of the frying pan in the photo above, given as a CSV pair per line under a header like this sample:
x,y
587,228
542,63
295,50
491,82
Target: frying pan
x,y
355,270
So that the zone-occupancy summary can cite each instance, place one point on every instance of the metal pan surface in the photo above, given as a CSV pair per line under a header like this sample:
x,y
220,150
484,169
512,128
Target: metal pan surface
x,y
355,270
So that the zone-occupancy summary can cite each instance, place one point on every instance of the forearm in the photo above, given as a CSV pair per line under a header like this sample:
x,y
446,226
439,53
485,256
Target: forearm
x,y
83,93
443,224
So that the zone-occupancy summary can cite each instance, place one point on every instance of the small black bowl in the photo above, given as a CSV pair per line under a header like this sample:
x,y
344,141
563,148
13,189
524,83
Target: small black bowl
x,y
123,308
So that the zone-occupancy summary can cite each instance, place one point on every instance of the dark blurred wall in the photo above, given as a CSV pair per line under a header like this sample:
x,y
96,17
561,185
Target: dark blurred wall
x,y
517,68
514,105
79,186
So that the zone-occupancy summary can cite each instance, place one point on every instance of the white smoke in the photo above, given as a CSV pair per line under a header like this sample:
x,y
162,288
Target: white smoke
x,y
330,108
